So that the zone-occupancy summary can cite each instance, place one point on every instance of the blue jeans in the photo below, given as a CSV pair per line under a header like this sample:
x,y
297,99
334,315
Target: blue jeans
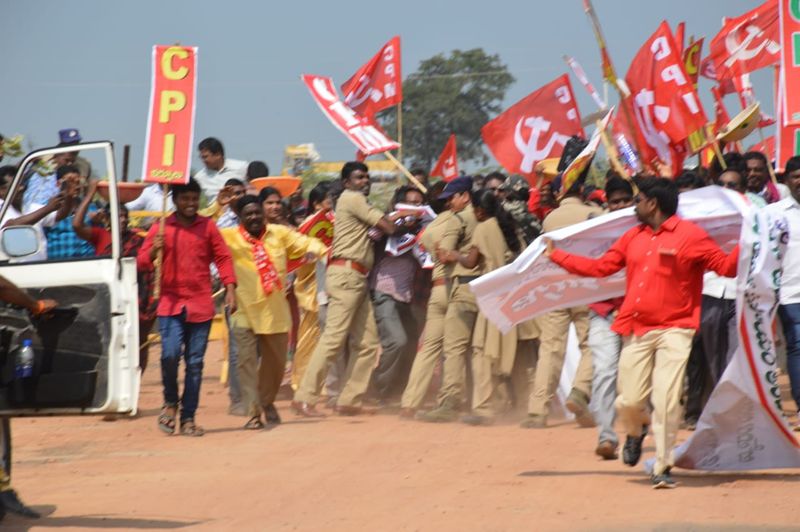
x,y
181,338
790,318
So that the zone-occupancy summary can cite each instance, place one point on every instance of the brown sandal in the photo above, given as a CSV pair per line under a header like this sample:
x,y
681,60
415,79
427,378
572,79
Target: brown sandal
x,y
190,428
166,420
254,423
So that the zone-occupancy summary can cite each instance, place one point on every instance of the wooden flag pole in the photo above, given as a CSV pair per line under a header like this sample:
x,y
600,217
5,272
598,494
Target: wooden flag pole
x,y
405,171
769,162
718,154
160,255
613,156
400,131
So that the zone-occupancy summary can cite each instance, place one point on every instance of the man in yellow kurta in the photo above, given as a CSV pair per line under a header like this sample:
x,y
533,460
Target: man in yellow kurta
x,y
262,321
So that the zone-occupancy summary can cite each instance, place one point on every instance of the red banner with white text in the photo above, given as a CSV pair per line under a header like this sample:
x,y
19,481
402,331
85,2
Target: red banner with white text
x,y
367,136
170,121
665,105
790,59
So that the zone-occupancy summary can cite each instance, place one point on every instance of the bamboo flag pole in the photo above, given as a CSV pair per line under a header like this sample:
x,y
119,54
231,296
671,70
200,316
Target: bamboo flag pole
x,y
613,156
609,73
400,131
160,254
405,171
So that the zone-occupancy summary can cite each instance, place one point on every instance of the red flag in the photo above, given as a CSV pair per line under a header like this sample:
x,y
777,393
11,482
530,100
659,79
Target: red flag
x,y
680,31
721,117
691,60
767,147
447,165
666,108
748,42
535,128
319,225
367,136
376,85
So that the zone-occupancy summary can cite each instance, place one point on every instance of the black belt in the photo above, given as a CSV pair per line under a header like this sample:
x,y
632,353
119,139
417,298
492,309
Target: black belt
x,y
464,279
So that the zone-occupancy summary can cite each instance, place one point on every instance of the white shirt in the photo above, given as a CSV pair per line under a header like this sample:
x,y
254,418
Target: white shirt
x,y
211,181
151,200
790,281
720,287
12,214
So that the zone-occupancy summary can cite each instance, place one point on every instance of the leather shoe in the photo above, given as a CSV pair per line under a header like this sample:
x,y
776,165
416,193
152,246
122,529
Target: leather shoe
x,y
304,409
632,451
347,410
11,503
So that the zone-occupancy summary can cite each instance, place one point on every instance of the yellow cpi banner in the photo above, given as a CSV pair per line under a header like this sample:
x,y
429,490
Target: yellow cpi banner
x,y
170,122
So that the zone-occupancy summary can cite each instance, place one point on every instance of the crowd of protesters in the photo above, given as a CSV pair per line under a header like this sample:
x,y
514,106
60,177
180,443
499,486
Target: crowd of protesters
x,y
367,329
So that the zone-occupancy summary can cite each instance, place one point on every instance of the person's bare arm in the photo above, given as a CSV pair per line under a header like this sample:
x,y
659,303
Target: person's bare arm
x,y
34,217
81,229
9,293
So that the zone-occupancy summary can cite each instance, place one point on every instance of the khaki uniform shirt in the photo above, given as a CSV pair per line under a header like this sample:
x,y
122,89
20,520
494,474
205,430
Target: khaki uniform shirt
x,y
570,211
354,217
433,235
462,241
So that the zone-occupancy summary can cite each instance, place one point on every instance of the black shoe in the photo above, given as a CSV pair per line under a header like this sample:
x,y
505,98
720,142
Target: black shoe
x,y
663,481
271,415
632,451
11,503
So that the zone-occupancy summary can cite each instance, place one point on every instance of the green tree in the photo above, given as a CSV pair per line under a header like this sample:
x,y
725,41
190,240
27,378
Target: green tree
x,y
457,94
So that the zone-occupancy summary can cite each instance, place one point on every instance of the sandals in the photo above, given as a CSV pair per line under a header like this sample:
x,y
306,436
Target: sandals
x,y
254,423
166,420
189,428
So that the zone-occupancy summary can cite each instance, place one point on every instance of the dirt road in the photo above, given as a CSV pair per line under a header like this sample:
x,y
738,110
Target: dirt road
x,y
374,473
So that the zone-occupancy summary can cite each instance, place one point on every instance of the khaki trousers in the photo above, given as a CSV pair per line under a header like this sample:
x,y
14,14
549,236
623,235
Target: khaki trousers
x,y
555,329
349,314
651,371
459,322
260,381
307,336
484,382
424,363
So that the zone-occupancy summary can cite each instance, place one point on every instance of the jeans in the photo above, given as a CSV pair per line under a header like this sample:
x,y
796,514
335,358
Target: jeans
x,y
180,338
234,386
606,346
790,318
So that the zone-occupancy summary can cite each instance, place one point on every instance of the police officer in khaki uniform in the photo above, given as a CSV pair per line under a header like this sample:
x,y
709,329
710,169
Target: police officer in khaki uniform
x,y
555,329
445,227
349,305
462,309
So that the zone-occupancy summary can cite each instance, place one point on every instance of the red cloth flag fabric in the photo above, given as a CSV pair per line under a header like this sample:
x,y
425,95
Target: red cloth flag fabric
x,y
319,225
665,106
680,37
535,128
790,60
378,84
691,60
363,132
447,165
748,42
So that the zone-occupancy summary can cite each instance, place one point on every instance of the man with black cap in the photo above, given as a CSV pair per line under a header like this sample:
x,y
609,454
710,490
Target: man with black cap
x,y
555,329
68,137
462,309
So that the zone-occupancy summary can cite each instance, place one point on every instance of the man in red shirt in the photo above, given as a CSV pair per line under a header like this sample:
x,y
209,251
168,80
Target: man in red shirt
x,y
190,244
665,258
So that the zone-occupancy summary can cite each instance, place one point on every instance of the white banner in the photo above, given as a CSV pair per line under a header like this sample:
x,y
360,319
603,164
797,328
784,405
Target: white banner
x,y
533,285
742,426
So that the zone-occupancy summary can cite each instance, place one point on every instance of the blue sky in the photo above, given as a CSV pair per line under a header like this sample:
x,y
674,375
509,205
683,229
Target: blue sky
x,y
86,63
